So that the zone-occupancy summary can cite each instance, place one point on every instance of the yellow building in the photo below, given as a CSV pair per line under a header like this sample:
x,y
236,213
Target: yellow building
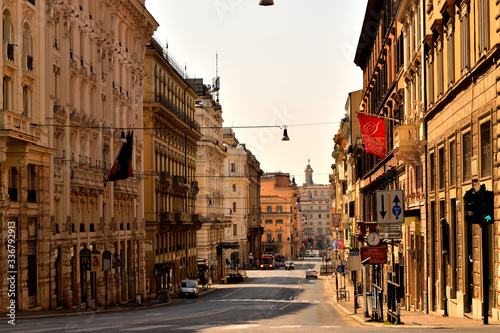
x,y
278,197
170,140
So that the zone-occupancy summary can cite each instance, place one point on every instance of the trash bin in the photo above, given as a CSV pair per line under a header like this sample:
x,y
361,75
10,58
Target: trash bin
x,y
139,299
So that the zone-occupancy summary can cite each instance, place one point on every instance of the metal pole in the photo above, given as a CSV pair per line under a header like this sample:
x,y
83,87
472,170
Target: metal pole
x,y
486,279
94,280
365,278
106,296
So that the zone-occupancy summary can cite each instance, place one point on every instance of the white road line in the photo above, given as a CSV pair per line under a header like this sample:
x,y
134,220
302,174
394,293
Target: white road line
x,y
239,327
191,328
286,326
153,314
144,328
317,301
330,326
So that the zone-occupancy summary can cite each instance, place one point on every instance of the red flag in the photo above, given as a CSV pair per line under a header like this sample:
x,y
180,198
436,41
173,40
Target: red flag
x,y
373,130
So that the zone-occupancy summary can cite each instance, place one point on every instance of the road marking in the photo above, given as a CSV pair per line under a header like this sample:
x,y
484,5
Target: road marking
x,y
144,328
239,327
286,326
316,302
153,314
191,328
330,326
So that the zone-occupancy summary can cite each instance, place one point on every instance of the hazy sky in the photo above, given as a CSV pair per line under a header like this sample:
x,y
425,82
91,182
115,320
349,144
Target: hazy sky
x,y
288,64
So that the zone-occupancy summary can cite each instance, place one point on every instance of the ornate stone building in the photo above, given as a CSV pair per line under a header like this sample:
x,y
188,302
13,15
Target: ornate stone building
x,y
210,175
315,207
170,140
72,79
242,197
460,56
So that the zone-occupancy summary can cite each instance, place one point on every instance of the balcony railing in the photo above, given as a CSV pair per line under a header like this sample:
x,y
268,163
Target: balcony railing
x,y
161,98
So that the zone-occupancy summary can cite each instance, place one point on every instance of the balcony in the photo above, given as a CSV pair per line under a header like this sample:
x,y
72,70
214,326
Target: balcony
x,y
405,143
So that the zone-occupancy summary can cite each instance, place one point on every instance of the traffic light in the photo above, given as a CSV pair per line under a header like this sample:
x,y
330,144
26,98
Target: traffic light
x,y
309,239
479,206
473,206
487,215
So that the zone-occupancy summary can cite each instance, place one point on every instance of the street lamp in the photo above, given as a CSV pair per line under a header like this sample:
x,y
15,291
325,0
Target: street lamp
x,y
266,2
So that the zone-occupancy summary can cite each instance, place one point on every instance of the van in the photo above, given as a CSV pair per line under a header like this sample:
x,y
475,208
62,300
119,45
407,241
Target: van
x,y
189,288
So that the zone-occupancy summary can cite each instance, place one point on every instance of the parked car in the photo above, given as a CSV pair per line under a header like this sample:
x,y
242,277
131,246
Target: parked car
x,y
311,273
289,265
189,288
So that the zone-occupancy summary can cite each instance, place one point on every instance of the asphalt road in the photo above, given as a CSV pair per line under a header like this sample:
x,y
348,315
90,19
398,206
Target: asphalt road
x,y
277,300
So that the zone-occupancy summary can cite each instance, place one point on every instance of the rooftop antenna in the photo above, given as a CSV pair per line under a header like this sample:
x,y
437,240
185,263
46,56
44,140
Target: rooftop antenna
x,y
216,83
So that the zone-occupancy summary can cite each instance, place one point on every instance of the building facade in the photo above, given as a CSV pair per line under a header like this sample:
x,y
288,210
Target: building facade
x,y
460,57
314,205
239,186
171,134
210,175
279,214
59,140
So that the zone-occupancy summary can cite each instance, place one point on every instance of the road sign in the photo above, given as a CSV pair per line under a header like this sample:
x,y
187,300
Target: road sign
x,y
96,261
391,231
377,254
390,206
85,255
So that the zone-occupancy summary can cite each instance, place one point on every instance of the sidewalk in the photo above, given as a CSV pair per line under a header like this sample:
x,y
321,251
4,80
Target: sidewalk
x,y
408,318
132,305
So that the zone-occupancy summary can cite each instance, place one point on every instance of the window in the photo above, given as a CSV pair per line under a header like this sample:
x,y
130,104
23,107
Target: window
x,y
485,149
450,54
31,183
464,47
432,167
232,167
453,163
279,209
280,237
319,216
439,73
269,221
466,156
483,26
430,70
269,237
442,168
235,230
13,174
234,187
279,221
269,209
234,207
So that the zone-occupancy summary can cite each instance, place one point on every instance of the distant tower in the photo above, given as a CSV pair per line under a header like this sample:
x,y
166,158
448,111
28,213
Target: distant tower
x,y
309,174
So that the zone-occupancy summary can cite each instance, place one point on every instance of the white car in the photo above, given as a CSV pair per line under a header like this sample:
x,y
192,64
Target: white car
x,y
189,288
311,273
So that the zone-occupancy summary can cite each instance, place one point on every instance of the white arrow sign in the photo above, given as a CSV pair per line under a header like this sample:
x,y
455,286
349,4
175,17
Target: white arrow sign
x,y
390,206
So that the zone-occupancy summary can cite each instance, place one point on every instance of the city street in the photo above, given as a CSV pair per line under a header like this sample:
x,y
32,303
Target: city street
x,y
280,300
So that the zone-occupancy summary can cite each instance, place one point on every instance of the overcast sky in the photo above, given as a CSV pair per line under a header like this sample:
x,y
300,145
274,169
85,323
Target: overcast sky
x,y
290,64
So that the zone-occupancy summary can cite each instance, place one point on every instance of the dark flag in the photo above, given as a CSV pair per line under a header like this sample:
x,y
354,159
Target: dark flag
x,y
122,169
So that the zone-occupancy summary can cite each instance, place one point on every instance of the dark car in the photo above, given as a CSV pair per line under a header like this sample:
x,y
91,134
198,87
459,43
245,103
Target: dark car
x,y
289,265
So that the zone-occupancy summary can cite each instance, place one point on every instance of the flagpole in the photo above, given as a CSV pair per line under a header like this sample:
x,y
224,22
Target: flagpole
x,y
374,115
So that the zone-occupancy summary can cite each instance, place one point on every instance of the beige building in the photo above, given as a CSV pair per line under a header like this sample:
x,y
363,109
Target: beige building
x,y
315,207
170,140
460,56
210,175
241,197
75,70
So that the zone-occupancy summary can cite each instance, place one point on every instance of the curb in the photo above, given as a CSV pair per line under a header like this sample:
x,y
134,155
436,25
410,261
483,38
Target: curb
x,y
83,312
